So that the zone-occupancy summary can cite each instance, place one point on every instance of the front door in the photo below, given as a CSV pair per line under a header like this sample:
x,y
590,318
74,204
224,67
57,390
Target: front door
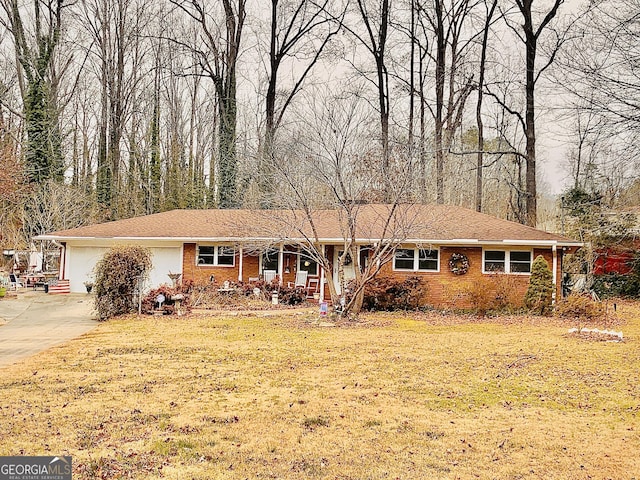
x,y
349,270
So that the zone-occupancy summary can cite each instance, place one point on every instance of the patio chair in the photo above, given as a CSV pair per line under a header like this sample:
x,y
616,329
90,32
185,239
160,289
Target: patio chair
x,y
300,281
313,287
269,276
15,282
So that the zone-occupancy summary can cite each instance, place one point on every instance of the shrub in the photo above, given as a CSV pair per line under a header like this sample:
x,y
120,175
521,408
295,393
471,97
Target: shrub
x,y
579,307
508,293
292,295
117,276
481,295
385,293
497,292
540,292
208,294
617,285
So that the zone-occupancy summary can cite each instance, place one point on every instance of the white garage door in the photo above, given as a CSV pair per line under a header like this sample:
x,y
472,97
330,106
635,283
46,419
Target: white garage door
x,y
82,260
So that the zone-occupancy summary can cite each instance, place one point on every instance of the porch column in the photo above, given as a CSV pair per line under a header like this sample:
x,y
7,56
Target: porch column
x,y
280,262
322,277
63,261
240,260
554,250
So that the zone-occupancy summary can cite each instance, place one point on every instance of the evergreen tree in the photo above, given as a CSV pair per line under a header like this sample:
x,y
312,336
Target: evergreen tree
x,y
540,292
36,56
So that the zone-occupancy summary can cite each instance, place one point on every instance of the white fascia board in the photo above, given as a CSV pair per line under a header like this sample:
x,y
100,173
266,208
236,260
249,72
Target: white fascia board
x,y
544,243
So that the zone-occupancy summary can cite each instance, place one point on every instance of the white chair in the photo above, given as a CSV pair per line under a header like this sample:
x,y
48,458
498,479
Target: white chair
x,y
300,281
269,276
314,287
15,282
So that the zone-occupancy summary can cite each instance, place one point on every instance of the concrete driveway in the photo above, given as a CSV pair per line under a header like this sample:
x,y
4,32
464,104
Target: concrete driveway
x,y
35,321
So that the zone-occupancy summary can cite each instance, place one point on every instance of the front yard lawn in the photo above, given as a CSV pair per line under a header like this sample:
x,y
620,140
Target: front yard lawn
x,y
393,396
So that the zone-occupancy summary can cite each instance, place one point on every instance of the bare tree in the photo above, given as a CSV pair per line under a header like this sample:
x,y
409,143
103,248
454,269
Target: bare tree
x,y
600,73
217,56
534,23
116,28
299,31
443,35
335,176
602,63
54,206
490,10
375,16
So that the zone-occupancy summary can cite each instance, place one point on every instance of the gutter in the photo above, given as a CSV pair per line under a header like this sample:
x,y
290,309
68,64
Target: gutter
x,y
360,241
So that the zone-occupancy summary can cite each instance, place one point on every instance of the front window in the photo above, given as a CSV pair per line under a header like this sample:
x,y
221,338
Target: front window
x,y
216,255
308,264
226,256
206,255
494,261
270,259
428,260
520,262
403,259
416,259
507,261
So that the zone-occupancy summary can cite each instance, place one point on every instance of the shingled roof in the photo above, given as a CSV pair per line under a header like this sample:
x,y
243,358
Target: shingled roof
x,y
419,223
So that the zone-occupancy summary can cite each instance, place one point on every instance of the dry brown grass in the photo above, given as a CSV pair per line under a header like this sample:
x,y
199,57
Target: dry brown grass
x,y
395,396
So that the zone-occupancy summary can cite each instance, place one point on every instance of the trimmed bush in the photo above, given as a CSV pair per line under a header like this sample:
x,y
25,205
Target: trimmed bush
x,y
117,276
540,292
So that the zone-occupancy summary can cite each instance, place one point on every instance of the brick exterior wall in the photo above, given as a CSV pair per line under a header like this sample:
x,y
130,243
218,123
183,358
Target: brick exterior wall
x,y
202,273
444,289
250,268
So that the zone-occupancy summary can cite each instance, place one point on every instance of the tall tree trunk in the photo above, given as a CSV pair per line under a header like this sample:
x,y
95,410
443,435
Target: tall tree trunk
x,y
227,161
441,52
531,37
36,57
479,123
530,128
375,42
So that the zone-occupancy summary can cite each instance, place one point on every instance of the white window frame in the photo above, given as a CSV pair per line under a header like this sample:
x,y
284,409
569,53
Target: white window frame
x,y
416,260
216,254
507,260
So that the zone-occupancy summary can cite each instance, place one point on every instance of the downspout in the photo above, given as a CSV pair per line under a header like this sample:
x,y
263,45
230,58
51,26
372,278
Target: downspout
x,y
240,263
554,250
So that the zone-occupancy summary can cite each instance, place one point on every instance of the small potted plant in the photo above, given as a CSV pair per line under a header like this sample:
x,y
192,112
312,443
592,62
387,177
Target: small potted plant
x,y
88,285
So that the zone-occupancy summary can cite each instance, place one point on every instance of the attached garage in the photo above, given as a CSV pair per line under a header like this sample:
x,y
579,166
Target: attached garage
x,y
80,260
